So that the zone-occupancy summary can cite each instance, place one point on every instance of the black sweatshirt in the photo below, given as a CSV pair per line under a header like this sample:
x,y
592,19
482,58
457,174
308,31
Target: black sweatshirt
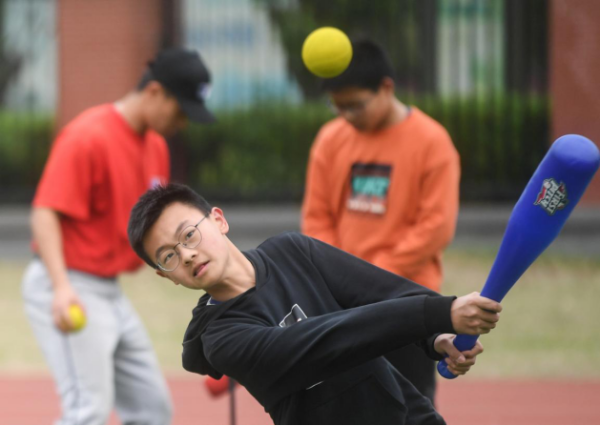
x,y
307,341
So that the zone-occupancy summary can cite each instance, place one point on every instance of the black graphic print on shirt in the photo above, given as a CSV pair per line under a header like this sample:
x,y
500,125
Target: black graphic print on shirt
x,y
369,185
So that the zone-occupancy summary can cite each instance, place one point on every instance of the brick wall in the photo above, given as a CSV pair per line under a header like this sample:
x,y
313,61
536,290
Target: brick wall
x,y
103,49
574,72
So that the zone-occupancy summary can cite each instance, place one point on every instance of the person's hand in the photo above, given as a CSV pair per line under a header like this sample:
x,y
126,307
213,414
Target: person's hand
x,y
64,298
459,363
474,314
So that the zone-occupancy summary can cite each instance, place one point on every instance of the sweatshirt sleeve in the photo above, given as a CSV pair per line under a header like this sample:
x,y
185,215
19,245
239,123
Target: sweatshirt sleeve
x,y
354,282
284,360
318,219
435,225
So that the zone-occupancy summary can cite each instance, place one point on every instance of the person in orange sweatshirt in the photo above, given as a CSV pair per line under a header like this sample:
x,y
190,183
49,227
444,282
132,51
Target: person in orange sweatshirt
x,y
383,184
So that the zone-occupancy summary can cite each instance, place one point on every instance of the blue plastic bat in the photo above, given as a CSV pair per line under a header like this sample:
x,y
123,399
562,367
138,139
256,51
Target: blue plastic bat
x,y
545,205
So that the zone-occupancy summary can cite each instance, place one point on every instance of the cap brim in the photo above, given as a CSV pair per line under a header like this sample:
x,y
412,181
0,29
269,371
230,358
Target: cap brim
x,y
196,111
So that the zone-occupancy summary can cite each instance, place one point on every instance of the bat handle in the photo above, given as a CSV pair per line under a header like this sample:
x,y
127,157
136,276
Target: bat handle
x,y
462,342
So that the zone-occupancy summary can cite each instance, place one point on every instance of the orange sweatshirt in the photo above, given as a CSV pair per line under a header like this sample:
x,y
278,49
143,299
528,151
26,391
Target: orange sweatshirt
x,y
389,197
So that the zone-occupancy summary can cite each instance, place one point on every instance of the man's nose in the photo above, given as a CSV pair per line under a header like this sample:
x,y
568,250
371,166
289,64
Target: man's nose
x,y
187,254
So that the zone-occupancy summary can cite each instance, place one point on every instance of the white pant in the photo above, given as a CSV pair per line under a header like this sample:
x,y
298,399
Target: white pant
x,y
109,363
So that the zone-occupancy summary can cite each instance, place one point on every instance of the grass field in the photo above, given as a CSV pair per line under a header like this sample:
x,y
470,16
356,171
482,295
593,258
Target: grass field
x,y
548,329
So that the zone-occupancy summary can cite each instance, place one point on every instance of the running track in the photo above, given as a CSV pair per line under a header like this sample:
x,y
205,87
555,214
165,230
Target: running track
x,y
28,400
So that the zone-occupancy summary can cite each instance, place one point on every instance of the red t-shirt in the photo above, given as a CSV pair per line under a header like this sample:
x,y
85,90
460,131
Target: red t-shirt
x,y
97,170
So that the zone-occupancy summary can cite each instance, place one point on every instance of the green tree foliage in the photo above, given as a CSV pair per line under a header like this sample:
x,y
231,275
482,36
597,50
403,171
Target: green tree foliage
x,y
403,27
260,154
25,141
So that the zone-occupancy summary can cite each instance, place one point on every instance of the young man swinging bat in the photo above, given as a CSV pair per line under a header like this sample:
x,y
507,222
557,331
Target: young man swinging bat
x,y
291,321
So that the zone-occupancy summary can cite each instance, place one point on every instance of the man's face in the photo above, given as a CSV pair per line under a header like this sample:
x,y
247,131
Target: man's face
x,y
163,114
200,267
364,109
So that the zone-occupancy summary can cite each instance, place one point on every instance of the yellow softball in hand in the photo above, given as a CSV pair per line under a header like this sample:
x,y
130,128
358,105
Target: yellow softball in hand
x,y
77,317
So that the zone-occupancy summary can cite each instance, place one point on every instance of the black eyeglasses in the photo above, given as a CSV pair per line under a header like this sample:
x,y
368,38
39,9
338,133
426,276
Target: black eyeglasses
x,y
354,108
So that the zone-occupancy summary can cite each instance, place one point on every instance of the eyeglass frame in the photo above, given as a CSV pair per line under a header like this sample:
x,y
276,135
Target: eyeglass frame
x,y
352,109
162,268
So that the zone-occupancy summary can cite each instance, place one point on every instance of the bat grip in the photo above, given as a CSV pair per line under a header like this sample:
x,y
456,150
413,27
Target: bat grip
x,y
463,342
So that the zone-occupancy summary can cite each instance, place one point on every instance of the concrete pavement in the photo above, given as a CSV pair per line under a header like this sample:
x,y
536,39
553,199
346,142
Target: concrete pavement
x,y
479,227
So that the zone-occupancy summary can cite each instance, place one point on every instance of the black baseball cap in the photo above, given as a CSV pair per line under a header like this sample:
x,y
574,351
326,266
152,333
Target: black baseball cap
x,y
185,76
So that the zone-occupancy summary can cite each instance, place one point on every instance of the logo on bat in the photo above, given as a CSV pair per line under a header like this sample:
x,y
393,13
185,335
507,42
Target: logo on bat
x,y
552,197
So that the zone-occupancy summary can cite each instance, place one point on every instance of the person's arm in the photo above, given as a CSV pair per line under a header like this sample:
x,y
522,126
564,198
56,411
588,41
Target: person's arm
x,y
288,359
318,219
63,191
354,282
45,226
436,222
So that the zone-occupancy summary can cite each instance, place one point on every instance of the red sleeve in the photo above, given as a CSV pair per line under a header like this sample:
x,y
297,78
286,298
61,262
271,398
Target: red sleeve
x,y
66,183
166,161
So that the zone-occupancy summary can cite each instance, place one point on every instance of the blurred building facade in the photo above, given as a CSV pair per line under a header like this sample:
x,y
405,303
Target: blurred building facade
x,y
29,41
574,68
505,76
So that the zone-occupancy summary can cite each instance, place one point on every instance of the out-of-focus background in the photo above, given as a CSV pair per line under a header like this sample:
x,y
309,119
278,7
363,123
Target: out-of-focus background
x,y
505,77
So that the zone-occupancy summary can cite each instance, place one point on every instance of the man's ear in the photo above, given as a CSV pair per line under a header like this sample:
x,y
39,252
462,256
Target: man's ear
x,y
219,219
154,88
162,274
388,85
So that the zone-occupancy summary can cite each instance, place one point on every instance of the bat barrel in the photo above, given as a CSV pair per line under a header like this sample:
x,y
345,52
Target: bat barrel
x,y
541,212
576,153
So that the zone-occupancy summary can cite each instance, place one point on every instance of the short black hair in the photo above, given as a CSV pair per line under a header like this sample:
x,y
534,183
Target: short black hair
x,y
370,64
146,78
150,206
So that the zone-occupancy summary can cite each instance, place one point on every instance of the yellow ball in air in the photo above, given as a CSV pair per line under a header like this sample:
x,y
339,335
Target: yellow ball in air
x,y
327,52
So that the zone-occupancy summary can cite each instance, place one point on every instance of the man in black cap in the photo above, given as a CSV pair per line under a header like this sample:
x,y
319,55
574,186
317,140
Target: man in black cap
x,y
100,164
